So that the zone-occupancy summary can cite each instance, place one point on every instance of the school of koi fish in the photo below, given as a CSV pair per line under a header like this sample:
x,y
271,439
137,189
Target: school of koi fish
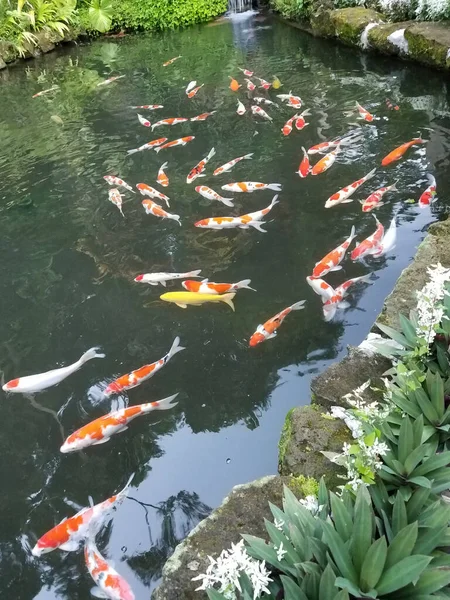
x,y
81,529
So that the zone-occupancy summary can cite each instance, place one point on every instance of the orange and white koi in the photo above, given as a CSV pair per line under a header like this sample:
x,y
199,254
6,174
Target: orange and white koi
x,y
400,151
172,60
257,110
52,89
370,245
179,142
287,127
250,85
162,178
364,114
31,384
148,146
208,287
300,122
229,165
343,195
251,186
246,72
321,287
264,84
391,106
234,85
374,200
172,121
110,80
69,534
112,180
143,121
269,329
294,101
109,584
323,147
242,222
99,431
240,108
203,116
260,100
162,278
326,162
337,299
148,190
332,260
147,107
190,86
194,92
210,194
116,198
303,168
158,211
428,196
200,167
135,378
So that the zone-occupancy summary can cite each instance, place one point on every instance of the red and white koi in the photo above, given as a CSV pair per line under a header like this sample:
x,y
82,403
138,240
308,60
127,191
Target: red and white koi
x,y
323,147
264,84
194,92
135,378
52,89
162,178
179,142
200,167
428,196
332,260
148,190
288,126
269,329
257,110
190,86
229,165
116,198
304,167
241,110
246,72
110,584
210,194
110,80
147,107
300,122
69,534
172,60
337,299
162,278
364,114
370,245
242,222
112,180
251,186
321,287
260,100
389,240
156,210
343,195
208,287
172,121
203,116
293,101
31,384
143,121
148,146
374,200
250,85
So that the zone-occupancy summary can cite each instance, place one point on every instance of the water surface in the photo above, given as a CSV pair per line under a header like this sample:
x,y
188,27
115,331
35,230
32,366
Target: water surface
x,y
68,260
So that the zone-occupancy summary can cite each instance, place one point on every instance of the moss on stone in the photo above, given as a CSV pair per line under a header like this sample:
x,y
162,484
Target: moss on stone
x,y
303,486
429,43
286,433
349,23
378,37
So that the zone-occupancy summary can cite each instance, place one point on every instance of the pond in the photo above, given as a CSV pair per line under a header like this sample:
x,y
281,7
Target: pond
x,y
68,260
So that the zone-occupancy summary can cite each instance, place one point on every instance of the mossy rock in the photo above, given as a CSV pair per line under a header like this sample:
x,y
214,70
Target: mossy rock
x,y
429,43
349,23
321,24
44,41
378,37
8,52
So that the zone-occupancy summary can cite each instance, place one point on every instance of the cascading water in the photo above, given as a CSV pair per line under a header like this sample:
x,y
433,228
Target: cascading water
x,y
238,6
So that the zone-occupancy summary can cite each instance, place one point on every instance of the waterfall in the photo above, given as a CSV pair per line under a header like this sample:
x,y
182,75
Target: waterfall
x,y
238,6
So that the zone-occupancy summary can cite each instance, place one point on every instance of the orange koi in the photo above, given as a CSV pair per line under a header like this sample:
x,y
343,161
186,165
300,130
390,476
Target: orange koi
x,y
172,60
269,329
203,116
373,201
162,178
158,211
364,114
332,260
208,287
343,195
234,85
400,151
148,190
180,142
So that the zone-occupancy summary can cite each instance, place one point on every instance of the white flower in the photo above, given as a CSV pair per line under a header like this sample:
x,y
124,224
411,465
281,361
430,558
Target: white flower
x,y
278,524
310,503
280,552
430,309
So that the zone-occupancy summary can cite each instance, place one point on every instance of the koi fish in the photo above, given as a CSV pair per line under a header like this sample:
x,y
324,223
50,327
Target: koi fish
x,y
36,383
234,85
100,430
303,168
250,85
251,186
285,97
326,162
264,84
210,194
143,121
116,198
391,106
257,110
246,72
203,116
240,108
172,121
364,114
269,329
264,101
389,240
373,201
172,60
69,534
190,86
428,196
179,142
148,190
370,245
229,165
323,147
208,287
193,92
162,178
200,167
112,180
321,287
147,107
400,151
135,378
343,195
148,145
52,89
109,584
276,83
337,300
182,299
332,260
300,122
110,80
287,127
243,222
158,211
162,278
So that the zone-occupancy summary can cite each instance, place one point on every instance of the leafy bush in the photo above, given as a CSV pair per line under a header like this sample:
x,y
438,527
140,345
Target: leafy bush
x,y
292,9
403,10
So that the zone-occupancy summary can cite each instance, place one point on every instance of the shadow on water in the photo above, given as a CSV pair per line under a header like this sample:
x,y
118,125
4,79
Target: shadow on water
x,y
68,260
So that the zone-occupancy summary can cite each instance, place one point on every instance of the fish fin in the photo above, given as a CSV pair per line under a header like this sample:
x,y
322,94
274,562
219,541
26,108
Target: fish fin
x,y
205,280
371,174
163,283
157,149
227,202
344,305
96,592
352,233
70,546
272,335
195,273
176,346
133,151
276,187
102,441
164,165
336,268
228,299
256,225
166,403
244,284
328,313
298,305
181,305
394,187
248,156
347,201
211,153
91,353
91,501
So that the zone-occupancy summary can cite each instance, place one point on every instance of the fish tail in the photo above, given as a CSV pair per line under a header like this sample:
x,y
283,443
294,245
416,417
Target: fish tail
x,y
306,112
227,201
164,165
133,151
247,156
274,201
244,284
257,225
91,353
276,187
352,233
175,347
371,174
211,153
394,187
228,299
176,218
164,404
193,273
431,179
157,149
298,305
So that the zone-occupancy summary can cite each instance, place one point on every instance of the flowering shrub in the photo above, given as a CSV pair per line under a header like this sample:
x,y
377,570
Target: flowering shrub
x,y
402,10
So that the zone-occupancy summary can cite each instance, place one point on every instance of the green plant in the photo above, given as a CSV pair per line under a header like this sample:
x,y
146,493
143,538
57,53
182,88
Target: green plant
x,y
292,9
100,15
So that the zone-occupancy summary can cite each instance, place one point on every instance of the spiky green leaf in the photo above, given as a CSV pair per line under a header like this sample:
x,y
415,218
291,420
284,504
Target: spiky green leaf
x,y
339,552
404,572
373,565
402,545
291,590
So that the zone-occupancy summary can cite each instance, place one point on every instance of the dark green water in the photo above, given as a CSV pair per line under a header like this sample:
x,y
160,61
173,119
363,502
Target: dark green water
x,y
68,260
